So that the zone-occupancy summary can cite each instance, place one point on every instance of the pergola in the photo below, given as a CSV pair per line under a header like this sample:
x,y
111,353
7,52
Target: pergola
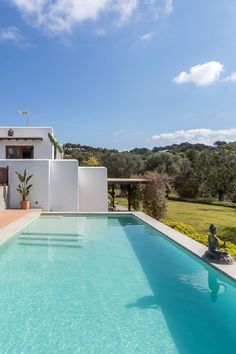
x,y
128,182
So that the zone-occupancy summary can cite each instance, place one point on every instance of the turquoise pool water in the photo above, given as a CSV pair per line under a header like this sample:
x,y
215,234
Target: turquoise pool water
x,y
102,284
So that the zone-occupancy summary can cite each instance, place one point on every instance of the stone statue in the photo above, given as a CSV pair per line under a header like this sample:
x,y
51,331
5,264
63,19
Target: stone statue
x,y
214,254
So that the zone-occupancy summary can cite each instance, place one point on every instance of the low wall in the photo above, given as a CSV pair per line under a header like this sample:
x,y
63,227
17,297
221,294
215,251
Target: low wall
x,y
4,197
64,185
93,189
60,185
39,194
55,183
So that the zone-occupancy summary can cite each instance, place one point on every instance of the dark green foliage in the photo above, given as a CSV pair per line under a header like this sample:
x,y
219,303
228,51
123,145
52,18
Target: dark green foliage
x,y
182,147
198,170
137,196
186,183
122,164
164,162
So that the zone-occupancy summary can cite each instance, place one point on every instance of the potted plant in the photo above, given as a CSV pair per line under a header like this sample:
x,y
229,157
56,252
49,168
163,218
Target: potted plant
x,y
24,188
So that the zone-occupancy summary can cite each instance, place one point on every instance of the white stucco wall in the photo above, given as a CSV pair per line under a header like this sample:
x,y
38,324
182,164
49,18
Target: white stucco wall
x,y
64,191
4,197
60,185
39,193
42,149
93,189
55,183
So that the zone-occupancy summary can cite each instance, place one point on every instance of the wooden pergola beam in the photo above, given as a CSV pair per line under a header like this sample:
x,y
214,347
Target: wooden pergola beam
x,y
128,182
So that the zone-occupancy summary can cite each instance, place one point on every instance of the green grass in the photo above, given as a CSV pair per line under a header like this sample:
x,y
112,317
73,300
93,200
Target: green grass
x,y
201,216
121,201
193,220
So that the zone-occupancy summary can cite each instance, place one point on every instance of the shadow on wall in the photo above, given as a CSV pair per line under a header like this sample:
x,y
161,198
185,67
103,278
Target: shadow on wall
x,y
4,197
192,312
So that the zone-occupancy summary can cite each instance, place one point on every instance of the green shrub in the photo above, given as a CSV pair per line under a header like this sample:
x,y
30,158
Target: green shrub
x,y
203,201
192,233
154,194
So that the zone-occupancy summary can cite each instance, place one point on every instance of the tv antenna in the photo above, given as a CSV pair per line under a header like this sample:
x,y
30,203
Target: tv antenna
x,y
25,114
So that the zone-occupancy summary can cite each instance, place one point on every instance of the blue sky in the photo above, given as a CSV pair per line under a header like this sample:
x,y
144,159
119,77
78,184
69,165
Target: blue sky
x,y
120,73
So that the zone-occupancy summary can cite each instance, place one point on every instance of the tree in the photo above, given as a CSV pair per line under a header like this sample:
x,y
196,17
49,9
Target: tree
x,y
164,162
216,171
122,164
219,143
186,183
154,194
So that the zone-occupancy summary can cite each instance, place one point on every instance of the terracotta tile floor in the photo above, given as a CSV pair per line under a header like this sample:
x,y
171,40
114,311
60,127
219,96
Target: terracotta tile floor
x,y
8,216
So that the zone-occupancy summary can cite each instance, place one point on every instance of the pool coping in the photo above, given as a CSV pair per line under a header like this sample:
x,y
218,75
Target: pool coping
x,y
186,242
16,226
194,247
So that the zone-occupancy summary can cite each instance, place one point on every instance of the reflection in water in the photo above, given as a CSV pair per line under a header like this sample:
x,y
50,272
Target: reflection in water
x,y
145,302
214,286
181,288
50,251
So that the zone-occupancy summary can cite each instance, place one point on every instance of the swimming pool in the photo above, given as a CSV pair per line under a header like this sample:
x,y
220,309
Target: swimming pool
x,y
110,284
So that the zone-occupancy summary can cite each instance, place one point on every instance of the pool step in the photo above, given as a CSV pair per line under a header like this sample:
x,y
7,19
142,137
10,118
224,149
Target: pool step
x,y
81,225
47,243
47,234
50,238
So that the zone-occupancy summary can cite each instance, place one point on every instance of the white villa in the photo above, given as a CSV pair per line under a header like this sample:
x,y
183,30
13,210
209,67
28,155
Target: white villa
x,y
58,185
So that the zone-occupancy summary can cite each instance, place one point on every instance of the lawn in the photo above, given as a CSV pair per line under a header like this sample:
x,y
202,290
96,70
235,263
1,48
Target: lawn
x,y
200,216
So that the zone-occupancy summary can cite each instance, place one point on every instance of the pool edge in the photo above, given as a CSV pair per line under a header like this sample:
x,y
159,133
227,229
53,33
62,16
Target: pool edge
x,y
194,247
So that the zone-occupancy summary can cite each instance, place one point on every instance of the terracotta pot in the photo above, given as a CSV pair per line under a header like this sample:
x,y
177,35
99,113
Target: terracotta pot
x,y
25,204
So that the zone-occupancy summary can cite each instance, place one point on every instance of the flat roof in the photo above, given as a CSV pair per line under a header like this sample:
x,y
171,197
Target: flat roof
x,y
20,138
23,127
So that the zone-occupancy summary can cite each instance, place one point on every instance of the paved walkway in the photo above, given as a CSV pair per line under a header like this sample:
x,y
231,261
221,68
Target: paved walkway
x,y
8,216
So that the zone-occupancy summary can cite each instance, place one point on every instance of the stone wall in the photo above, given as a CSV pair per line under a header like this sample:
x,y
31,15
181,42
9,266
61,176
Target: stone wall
x,y
4,197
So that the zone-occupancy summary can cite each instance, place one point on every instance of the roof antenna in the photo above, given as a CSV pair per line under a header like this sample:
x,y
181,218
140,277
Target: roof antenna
x,y
25,113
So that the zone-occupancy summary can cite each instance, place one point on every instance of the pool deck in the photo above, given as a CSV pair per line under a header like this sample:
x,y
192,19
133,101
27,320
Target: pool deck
x,y
9,216
12,221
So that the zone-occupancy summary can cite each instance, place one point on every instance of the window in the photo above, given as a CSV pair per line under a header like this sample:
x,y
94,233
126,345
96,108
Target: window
x,y
19,152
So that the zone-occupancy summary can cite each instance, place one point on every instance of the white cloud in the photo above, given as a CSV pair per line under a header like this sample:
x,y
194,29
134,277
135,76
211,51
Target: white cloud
x,y
30,6
201,74
59,16
169,7
160,8
101,32
147,36
13,34
125,8
118,132
204,136
231,77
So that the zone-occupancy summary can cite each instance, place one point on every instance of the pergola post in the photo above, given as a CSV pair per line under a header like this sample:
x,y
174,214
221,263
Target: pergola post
x,y
128,183
113,195
129,196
